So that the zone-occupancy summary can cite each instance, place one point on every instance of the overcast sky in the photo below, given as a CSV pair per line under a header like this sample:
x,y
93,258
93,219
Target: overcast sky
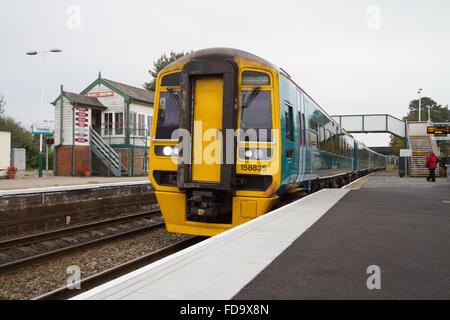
x,y
352,57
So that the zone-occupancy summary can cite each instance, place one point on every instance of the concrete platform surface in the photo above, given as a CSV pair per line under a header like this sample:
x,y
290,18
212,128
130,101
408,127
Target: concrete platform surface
x,y
324,246
400,225
219,267
51,181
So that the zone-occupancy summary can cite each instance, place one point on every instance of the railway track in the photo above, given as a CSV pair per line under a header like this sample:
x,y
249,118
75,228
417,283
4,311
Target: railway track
x,y
19,252
110,274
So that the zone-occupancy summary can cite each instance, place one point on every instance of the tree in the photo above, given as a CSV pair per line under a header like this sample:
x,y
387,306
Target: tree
x,y
162,62
20,137
2,105
437,112
396,144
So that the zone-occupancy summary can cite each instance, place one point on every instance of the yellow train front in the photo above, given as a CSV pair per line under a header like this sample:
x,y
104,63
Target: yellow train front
x,y
214,159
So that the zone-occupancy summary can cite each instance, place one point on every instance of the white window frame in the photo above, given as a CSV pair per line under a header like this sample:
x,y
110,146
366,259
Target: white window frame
x,y
113,130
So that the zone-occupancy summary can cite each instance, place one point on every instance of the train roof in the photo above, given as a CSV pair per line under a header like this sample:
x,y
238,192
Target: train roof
x,y
250,56
224,51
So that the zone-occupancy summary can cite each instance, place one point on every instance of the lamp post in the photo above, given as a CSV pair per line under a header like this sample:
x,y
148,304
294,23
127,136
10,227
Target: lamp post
x,y
42,53
420,109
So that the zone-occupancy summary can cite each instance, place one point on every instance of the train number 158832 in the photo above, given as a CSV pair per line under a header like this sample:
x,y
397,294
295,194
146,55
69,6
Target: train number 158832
x,y
253,167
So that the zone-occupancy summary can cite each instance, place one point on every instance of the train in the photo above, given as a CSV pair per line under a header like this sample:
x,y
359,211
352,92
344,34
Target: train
x,y
232,134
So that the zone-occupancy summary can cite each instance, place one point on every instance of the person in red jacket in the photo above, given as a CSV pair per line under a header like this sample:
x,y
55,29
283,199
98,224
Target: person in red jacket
x,y
431,163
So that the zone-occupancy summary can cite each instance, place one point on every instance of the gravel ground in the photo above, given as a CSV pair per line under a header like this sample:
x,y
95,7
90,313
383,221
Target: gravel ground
x,y
32,281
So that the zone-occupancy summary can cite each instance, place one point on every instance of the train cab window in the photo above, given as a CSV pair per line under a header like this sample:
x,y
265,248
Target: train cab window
x,y
168,114
171,80
256,114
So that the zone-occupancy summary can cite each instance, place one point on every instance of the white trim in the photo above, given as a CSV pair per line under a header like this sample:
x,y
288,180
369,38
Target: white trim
x,y
71,187
244,248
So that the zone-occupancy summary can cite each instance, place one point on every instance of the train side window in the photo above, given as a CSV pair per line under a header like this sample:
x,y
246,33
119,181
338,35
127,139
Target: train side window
x,y
328,137
322,138
289,116
313,135
304,128
300,129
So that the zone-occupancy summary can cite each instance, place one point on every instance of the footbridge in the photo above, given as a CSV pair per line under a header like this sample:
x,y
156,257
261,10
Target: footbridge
x,y
372,123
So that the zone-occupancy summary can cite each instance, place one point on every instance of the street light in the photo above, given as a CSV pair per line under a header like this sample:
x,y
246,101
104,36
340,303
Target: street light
x,y
42,53
420,109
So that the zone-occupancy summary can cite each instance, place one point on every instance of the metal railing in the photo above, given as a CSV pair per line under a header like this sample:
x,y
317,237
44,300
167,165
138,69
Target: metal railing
x,y
109,157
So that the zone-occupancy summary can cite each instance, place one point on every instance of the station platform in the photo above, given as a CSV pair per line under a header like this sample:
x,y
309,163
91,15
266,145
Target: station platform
x,y
36,184
318,247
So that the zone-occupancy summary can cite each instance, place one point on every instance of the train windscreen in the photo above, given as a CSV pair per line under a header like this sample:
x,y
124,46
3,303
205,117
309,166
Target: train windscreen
x,y
168,114
256,113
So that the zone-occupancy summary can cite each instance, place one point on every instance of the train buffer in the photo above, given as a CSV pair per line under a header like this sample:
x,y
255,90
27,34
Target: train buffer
x,y
384,239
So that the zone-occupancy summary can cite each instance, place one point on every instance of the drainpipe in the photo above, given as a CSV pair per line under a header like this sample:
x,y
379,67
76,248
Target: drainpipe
x,y
127,138
61,117
73,141
60,129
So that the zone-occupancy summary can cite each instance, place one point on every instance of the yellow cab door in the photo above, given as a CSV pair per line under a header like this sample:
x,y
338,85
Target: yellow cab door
x,y
207,137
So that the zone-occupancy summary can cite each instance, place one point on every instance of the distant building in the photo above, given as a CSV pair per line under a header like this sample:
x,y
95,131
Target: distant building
x,y
5,155
106,126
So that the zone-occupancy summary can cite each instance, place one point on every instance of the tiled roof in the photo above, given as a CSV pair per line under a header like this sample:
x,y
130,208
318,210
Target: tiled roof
x,y
133,92
82,99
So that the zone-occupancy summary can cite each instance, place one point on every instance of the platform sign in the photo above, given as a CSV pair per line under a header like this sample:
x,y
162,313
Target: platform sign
x,y
42,128
438,130
81,124
405,152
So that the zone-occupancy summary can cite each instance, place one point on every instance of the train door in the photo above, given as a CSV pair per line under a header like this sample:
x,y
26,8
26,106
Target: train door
x,y
289,142
208,108
302,137
207,136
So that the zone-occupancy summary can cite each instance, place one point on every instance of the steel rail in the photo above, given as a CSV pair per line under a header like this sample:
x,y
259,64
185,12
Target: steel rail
x,y
110,274
28,239
46,255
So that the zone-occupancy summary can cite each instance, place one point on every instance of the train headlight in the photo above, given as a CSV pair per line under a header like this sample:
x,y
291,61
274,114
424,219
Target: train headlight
x,y
255,153
259,154
167,151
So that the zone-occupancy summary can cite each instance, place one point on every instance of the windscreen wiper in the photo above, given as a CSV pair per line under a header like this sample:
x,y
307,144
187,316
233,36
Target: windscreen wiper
x,y
250,98
175,97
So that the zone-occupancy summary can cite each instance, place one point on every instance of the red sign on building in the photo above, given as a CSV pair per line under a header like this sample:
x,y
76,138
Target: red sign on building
x,y
100,94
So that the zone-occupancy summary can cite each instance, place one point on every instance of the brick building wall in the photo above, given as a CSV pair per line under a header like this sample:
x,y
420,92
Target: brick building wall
x,y
139,158
64,160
